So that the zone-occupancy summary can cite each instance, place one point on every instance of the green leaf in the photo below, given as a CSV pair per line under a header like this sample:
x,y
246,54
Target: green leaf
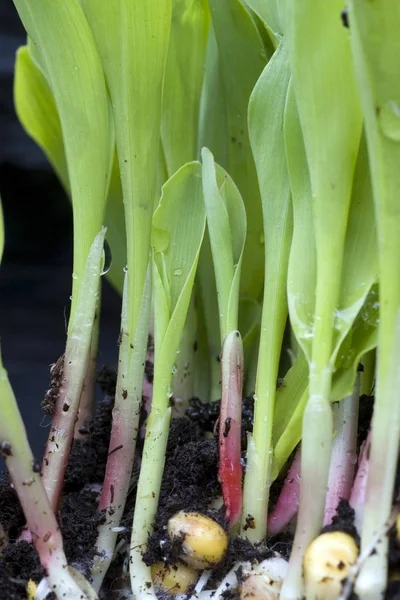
x,y
177,235
77,83
266,112
326,95
37,112
183,81
226,221
376,53
224,117
134,69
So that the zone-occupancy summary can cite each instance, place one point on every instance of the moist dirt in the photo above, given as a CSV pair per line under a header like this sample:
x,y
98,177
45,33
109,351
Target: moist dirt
x,y
190,483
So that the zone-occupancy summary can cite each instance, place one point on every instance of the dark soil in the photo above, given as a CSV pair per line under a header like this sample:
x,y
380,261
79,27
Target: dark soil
x,y
366,407
344,521
78,516
190,483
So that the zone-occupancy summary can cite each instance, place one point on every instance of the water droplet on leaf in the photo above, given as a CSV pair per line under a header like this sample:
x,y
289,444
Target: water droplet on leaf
x,y
178,272
107,258
389,120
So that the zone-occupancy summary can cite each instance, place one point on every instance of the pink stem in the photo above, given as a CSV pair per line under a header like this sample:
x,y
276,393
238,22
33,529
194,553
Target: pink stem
x,y
230,470
344,453
358,492
288,502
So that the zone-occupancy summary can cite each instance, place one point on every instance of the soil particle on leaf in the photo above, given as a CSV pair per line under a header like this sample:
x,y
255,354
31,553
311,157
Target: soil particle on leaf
x,y
56,379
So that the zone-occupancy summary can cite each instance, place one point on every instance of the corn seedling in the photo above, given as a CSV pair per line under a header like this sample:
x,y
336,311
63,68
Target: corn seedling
x,y
239,160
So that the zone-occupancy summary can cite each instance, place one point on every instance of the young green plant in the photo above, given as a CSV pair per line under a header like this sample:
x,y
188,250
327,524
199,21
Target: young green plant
x,y
177,234
73,70
226,222
266,109
324,299
234,39
376,52
132,38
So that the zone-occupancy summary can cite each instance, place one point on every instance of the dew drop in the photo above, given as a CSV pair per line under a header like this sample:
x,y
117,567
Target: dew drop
x,y
74,276
125,269
174,370
178,272
389,120
107,258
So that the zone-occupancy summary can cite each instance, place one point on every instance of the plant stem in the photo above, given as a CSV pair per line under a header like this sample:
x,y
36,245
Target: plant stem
x,y
344,452
358,491
230,470
288,501
75,364
125,423
27,482
148,491
86,403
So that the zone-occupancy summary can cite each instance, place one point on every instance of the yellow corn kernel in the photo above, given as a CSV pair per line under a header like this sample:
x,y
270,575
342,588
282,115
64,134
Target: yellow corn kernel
x,y
204,541
326,563
173,579
31,588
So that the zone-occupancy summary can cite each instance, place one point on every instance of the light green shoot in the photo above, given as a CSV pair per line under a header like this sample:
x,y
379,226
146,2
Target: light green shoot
x,y
238,43
177,235
37,112
183,82
376,52
75,76
226,222
132,37
266,111
321,315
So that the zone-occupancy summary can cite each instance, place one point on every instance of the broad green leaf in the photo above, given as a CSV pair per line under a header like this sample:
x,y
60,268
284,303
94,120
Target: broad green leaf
x,y
359,256
37,112
376,53
183,81
209,317
249,327
288,395
326,94
266,112
177,235
226,221
238,43
302,271
362,338
77,83
132,37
